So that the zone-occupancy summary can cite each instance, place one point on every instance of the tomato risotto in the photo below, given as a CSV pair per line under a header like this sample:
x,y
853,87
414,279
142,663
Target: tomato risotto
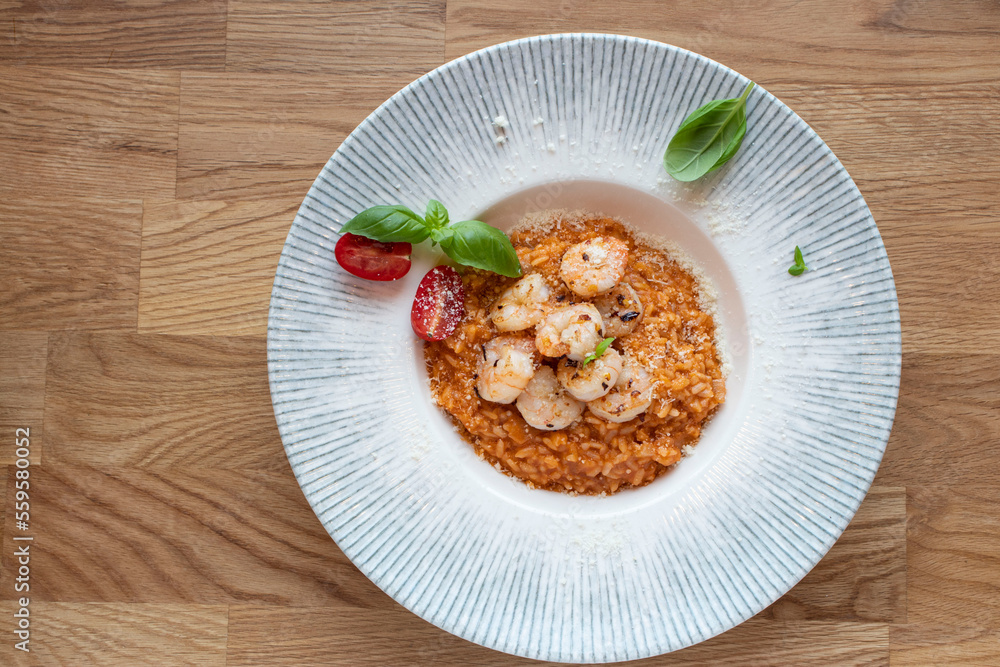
x,y
591,373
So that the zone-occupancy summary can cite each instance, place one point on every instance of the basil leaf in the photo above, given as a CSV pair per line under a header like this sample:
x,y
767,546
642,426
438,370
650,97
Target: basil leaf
x,y
708,138
477,244
389,224
598,352
436,216
699,112
799,267
733,147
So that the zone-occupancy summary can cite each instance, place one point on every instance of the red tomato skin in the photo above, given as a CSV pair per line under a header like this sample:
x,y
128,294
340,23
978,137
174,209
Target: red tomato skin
x,y
439,304
373,260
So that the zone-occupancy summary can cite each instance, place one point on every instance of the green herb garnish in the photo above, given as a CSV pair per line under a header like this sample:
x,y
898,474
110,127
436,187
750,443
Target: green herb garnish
x,y
799,267
390,224
469,242
477,244
598,352
707,138
436,216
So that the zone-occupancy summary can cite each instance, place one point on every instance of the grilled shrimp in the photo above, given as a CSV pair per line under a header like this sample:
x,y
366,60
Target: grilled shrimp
x,y
544,403
592,381
620,310
630,396
522,305
594,266
506,368
570,330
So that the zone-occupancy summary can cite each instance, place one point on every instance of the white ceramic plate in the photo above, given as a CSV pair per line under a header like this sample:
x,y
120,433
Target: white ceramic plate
x,y
779,472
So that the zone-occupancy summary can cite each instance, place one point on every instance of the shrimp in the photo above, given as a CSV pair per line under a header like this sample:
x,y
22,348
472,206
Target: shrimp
x,y
522,305
507,366
573,330
620,310
545,405
592,381
594,266
630,396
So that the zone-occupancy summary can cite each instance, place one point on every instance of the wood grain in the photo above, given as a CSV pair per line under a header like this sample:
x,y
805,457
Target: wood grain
x,y
109,133
64,633
202,537
3,515
160,401
863,577
261,136
946,429
22,391
69,263
208,267
953,555
285,636
916,645
366,36
881,41
948,316
103,33
909,129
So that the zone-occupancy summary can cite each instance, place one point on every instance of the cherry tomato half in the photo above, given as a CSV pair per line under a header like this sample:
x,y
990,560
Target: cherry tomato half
x,y
373,260
439,305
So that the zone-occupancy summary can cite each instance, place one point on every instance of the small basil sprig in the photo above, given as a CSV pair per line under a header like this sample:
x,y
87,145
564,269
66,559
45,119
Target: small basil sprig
x,y
707,138
469,242
598,352
799,267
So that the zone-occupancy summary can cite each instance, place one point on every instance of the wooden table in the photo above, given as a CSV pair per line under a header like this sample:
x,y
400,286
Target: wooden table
x,y
153,154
